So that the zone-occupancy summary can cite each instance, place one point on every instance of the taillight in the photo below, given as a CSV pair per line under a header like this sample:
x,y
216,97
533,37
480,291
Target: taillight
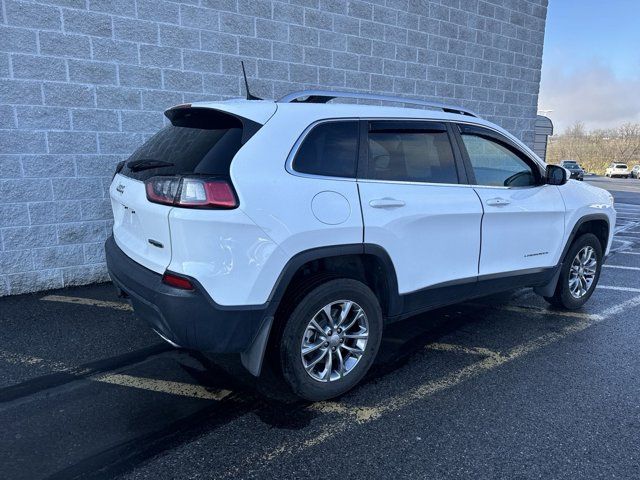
x,y
177,281
162,189
191,192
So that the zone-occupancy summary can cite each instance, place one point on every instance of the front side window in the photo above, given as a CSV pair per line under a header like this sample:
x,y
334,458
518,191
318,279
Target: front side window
x,y
330,149
411,151
496,164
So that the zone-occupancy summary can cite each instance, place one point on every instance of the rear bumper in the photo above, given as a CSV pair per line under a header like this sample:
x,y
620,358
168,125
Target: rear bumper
x,y
187,318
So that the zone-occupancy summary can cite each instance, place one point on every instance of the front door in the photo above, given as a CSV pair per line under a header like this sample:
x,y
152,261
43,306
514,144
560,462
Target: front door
x,y
523,222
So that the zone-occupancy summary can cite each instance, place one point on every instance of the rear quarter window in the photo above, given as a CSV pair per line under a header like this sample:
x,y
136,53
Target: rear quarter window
x,y
329,149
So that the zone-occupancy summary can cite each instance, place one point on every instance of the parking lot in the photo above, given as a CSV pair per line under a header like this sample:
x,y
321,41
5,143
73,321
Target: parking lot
x,y
504,387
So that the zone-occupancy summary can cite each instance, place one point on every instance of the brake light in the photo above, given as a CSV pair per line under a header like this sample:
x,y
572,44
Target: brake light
x,y
191,192
177,281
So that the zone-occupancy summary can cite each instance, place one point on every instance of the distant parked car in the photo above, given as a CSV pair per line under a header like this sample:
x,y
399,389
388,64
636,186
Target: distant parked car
x,y
617,170
574,168
635,172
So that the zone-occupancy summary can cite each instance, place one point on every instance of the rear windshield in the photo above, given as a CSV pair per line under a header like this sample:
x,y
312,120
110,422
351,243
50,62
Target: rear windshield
x,y
199,141
619,165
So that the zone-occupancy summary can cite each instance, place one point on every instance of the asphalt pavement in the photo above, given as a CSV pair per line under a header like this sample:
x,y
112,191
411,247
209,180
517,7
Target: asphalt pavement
x,y
502,387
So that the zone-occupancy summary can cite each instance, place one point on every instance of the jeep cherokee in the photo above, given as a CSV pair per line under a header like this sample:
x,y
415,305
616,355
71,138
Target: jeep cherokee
x,y
300,228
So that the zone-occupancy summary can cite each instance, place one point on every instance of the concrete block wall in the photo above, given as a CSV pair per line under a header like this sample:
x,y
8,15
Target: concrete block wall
x,y
83,82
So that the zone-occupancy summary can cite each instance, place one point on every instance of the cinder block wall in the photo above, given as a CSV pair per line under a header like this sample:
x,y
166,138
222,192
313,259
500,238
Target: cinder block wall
x,y
83,82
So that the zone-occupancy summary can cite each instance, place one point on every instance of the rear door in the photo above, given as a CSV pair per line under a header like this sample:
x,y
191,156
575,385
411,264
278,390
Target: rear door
x,y
414,206
200,141
523,223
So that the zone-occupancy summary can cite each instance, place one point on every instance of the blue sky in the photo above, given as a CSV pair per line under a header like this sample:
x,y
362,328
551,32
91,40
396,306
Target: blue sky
x,y
591,63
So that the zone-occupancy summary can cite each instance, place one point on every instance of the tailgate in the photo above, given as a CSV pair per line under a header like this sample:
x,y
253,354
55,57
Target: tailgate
x,y
140,228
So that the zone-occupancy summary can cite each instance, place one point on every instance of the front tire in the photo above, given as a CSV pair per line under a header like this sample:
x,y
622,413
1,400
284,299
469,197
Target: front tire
x,y
331,339
579,273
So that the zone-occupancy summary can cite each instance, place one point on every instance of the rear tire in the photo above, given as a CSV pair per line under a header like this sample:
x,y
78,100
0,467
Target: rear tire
x,y
579,273
336,361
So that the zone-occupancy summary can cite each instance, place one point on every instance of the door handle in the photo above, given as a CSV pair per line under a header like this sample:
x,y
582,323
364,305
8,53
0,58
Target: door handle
x,y
497,202
386,203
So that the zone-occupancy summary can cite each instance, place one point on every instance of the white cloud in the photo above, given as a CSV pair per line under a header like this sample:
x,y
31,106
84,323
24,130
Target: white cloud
x,y
592,94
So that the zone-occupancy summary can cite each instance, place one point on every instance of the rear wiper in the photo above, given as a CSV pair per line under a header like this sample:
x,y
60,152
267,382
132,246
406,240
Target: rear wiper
x,y
146,164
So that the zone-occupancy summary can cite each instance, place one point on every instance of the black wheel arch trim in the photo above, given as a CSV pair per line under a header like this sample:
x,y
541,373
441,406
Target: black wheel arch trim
x,y
581,221
318,253
253,357
548,289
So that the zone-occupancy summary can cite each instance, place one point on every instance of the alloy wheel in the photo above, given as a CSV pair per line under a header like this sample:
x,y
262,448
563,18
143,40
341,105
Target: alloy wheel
x,y
334,340
582,272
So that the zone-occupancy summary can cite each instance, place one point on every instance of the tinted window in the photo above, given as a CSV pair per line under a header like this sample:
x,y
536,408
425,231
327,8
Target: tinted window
x,y
495,164
199,141
415,153
330,149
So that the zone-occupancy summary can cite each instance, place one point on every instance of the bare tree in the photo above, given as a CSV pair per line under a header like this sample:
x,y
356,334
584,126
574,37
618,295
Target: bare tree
x,y
576,130
596,149
628,145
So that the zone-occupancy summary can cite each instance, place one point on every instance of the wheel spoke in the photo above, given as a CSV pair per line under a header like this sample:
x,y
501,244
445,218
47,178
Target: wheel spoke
x,y
589,255
357,336
313,324
344,312
355,318
340,363
310,366
353,350
328,366
311,347
327,312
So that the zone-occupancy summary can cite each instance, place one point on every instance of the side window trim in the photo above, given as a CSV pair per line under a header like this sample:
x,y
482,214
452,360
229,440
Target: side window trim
x,y
363,159
492,135
298,143
465,172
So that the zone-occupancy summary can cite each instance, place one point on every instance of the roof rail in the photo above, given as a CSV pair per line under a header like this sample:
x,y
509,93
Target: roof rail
x,y
324,96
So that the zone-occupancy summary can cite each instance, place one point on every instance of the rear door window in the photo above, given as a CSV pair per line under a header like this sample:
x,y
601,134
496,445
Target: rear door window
x,y
412,151
199,141
329,149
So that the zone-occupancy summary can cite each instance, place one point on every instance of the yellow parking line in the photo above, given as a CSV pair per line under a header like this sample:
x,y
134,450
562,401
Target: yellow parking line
x,y
404,399
449,347
30,361
163,386
154,385
88,301
539,311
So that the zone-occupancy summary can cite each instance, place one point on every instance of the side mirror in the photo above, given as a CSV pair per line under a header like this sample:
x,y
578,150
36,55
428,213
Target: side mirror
x,y
556,175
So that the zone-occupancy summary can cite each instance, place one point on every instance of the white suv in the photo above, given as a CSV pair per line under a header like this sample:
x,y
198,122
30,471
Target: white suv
x,y
617,170
293,231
